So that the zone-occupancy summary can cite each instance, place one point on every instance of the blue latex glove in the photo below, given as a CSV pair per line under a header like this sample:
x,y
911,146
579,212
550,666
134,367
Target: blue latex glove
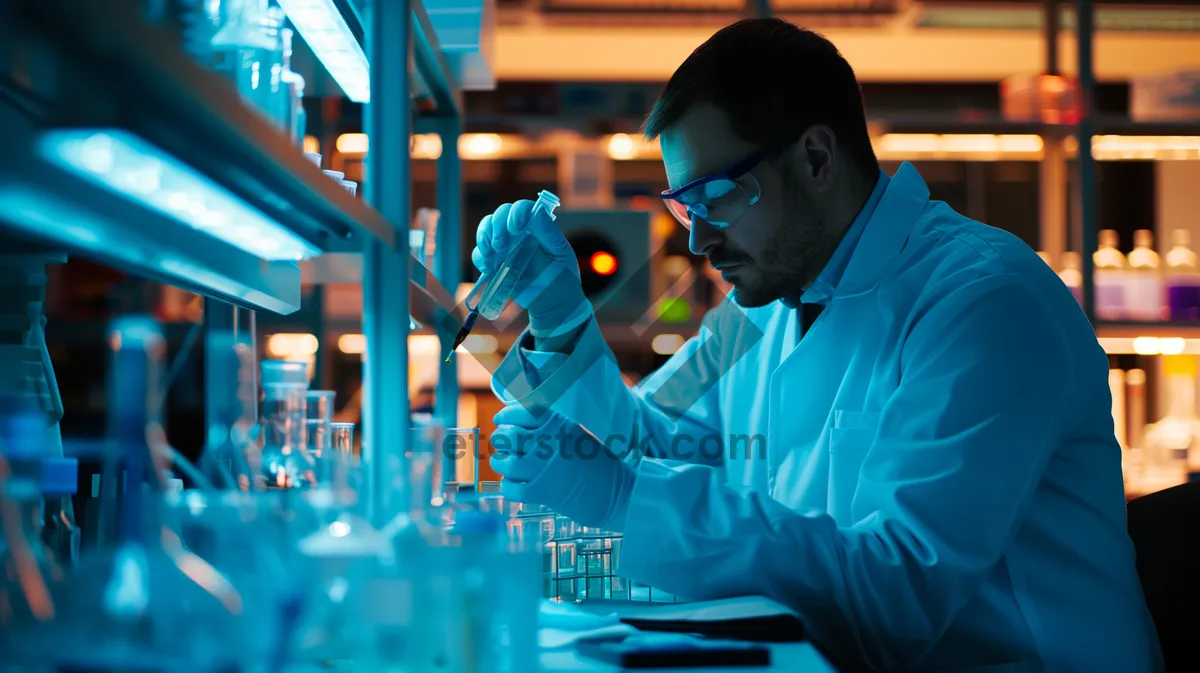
x,y
550,289
551,461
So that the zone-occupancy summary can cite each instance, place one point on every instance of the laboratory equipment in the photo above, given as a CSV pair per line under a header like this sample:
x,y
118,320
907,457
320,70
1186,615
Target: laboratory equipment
x,y
426,460
284,371
494,289
462,448
342,438
29,477
1111,278
1145,293
284,461
1174,441
341,557
143,601
229,443
318,426
1072,274
245,40
1182,278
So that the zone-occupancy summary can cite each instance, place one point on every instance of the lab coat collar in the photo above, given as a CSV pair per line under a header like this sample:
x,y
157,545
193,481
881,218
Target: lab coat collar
x,y
824,287
904,199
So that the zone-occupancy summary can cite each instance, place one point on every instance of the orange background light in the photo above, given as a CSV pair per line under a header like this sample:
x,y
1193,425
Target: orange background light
x,y
604,263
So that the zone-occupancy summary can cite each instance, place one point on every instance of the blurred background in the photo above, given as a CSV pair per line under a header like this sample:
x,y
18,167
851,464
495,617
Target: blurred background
x,y
985,98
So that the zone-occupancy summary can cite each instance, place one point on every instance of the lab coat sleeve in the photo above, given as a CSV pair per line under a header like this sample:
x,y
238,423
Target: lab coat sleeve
x,y
678,401
947,477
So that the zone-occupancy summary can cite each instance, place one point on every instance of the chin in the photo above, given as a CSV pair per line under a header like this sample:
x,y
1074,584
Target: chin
x,y
751,296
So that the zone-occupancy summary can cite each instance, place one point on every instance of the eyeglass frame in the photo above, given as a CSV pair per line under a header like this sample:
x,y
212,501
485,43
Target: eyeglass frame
x,y
732,174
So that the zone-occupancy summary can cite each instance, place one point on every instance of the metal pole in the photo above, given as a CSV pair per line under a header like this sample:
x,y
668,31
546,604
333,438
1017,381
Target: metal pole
x,y
1052,174
385,269
1052,28
448,258
1084,35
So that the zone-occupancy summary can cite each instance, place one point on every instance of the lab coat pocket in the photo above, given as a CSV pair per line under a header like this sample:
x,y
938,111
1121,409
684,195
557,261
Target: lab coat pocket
x,y
850,439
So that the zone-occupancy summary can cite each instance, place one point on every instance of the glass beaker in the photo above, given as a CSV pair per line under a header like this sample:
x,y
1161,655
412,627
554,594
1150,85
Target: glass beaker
x,y
284,459
426,470
462,453
284,371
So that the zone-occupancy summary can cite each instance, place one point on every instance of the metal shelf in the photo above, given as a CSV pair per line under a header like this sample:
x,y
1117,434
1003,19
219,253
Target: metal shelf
x,y
436,81
995,124
1161,330
120,73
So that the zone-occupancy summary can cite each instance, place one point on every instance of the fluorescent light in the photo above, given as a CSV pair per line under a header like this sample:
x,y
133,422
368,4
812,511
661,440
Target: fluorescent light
x,y
352,143
292,346
325,31
621,147
982,146
1160,148
480,145
352,344
143,173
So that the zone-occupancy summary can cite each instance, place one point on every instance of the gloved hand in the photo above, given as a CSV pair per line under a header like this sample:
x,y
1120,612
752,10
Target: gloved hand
x,y
550,289
551,461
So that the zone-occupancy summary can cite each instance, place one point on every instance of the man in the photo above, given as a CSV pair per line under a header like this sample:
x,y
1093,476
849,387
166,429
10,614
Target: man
x,y
938,486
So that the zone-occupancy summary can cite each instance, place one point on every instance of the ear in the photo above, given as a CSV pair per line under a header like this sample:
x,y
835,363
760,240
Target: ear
x,y
818,147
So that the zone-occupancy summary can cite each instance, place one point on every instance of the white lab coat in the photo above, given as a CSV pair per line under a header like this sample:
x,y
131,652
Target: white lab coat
x,y
936,486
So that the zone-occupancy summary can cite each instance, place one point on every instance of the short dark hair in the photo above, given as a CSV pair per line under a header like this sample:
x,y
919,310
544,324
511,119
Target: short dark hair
x,y
774,80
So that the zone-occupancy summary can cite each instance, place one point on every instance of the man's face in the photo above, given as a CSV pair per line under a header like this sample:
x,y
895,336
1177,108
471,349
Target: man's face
x,y
774,248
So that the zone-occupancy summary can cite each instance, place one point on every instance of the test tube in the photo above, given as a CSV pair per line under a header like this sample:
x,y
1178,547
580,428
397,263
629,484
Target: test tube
x,y
341,437
319,405
318,419
346,475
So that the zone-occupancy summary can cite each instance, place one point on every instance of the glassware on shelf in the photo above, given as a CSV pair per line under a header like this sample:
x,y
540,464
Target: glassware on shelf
x,y
462,455
230,440
1174,441
318,428
342,438
284,461
425,464
1072,274
1111,278
29,569
143,600
1145,293
1182,278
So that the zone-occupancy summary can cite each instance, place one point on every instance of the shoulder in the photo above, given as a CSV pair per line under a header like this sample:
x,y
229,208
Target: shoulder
x,y
949,256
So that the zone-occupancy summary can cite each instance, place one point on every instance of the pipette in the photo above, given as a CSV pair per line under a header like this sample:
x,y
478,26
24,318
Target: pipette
x,y
493,290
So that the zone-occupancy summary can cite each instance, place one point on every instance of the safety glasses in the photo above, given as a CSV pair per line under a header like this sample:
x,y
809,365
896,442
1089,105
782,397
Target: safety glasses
x,y
720,198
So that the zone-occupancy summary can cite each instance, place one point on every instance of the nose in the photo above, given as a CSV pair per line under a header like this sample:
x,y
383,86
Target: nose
x,y
703,238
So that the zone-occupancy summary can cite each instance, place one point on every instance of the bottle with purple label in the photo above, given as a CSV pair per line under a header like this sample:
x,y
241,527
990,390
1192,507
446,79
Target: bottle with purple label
x,y
1072,274
1182,278
1145,290
1111,282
